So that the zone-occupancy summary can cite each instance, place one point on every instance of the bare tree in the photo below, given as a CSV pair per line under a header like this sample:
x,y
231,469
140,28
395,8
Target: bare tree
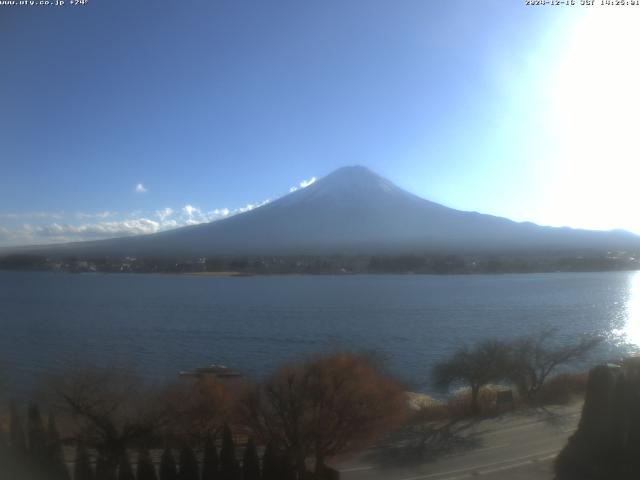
x,y
197,408
323,407
535,357
112,409
474,367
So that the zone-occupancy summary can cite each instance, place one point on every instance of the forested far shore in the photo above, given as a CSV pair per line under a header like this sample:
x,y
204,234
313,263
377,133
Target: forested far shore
x,y
438,264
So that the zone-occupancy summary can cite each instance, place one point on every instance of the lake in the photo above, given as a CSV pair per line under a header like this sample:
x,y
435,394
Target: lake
x,y
166,323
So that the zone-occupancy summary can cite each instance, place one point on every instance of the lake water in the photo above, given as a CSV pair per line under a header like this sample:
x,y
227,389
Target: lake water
x,y
163,323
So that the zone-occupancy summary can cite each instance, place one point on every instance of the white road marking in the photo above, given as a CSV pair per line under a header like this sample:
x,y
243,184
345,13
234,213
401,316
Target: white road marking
x,y
356,469
502,445
497,431
521,464
371,467
477,469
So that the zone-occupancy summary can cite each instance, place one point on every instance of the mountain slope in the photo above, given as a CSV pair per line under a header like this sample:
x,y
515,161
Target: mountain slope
x,y
355,210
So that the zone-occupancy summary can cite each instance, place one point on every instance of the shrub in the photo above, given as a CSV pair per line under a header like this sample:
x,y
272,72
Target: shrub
x,y
430,413
563,388
460,404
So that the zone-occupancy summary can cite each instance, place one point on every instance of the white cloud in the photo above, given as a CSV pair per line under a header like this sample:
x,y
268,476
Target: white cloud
x,y
251,206
14,236
306,183
222,212
164,214
105,214
190,210
128,224
58,232
140,188
31,215
55,215
138,226
169,224
303,184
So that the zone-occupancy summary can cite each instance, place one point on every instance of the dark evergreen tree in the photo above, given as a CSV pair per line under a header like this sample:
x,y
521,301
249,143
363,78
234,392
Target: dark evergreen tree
x,y
37,438
168,469
4,445
5,455
270,463
125,472
145,470
105,470
82,468
188,464
228,464
17,440
210,463
55,455
287,469
251,462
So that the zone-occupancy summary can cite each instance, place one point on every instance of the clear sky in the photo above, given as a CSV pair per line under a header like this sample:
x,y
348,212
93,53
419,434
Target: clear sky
x,y
121,117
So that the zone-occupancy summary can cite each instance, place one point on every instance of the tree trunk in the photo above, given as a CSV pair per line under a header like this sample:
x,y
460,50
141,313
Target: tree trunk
x,y
320,465
301,466
475,406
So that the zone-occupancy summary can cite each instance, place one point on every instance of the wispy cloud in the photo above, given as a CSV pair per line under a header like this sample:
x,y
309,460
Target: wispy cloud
x,y
138,226
306,183
107,224
31,215
164,214
223,212
194,215
111,224
57,232
105,214
303,184
191,211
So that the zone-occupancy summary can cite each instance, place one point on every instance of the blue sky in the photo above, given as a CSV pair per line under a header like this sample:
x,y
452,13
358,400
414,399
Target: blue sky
x,y
124,117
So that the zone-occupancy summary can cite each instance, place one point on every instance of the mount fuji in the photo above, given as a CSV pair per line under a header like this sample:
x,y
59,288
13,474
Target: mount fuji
x,y
354,210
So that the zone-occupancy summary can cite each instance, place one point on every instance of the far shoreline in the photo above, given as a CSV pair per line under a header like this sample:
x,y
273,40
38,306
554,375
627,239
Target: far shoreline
x,y
216,274
239,274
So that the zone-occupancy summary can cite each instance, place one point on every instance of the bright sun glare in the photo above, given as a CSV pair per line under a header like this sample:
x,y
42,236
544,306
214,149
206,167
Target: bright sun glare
x,y
631,331
595,104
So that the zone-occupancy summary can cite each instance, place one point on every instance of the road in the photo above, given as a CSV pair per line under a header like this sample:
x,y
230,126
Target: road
x,y
515,446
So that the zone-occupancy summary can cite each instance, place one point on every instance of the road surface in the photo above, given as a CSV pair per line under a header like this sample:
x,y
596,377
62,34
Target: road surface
x,y
515,446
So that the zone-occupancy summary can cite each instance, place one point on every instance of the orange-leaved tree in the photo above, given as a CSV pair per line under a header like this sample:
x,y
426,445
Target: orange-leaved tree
x,y
324,406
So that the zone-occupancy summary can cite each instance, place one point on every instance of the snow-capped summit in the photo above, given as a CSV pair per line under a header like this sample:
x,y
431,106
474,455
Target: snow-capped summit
x,y
355,210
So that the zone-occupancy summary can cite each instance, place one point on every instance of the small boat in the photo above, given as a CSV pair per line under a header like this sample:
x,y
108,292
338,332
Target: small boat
x,y
214,370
